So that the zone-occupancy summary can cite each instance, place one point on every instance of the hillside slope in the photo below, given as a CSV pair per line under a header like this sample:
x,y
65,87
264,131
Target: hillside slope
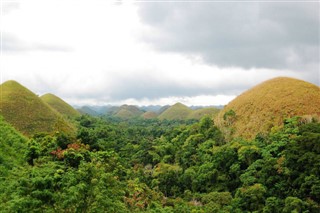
x,y
199,113
127,112
27,112
12,147
87,110
267,105
60,105
177,111
149,115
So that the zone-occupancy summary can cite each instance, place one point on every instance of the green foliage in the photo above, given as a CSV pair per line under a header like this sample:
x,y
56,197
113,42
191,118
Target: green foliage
x,y
149,165
229,117
12,148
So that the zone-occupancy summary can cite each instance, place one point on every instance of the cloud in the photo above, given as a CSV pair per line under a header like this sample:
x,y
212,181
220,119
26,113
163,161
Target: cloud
x,y
247,34
8,6
193,56
11,44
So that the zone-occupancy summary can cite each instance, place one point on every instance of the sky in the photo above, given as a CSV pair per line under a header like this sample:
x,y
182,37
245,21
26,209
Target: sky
x,y
102,52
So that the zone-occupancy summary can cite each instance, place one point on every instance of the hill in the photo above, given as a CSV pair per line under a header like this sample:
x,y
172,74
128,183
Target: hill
x,y
60,105
162,109
127,112
27,112
151,108
176,112
87,110
199,113
267,105
149,115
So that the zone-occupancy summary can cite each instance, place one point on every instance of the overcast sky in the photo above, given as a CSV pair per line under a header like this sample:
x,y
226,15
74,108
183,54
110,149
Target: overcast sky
x,y
156,52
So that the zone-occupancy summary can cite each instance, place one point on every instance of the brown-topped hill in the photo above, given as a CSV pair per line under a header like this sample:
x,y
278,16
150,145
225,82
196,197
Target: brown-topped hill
x,y
268,104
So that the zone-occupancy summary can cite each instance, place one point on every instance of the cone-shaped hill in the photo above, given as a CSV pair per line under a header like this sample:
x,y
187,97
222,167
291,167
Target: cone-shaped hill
x,y
27,112
127,112
87,110
60,105
177,111
149,115
199,113
268,104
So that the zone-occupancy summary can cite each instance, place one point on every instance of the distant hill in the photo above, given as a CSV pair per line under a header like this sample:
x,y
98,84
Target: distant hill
x,y
176,112
150,108
267,105
181,112
87,110
199,113
27,112
126,112
60,105
162,109
149,115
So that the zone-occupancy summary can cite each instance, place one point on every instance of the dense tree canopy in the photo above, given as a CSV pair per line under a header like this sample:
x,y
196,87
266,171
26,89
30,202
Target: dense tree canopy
x,y
161,166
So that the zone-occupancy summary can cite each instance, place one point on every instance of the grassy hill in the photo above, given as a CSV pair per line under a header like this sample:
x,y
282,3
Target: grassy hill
x,y
162,109
199,113
149,115
60,105
177,111
12,147
27,112
127,112
181,112
267,104
87,110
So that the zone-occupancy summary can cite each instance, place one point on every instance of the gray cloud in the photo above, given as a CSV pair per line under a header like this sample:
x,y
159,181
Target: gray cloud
x,y
261,35
14,45
140,86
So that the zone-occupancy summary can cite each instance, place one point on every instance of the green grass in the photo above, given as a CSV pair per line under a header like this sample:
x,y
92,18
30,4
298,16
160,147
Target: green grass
x,y
27,112
176,112
199,113
60,105
267,104
181,112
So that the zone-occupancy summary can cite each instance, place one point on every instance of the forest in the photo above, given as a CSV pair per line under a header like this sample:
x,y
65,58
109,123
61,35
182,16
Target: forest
x,y
151,165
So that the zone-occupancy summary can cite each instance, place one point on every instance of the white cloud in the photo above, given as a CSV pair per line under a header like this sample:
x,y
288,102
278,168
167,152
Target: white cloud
x,y
107,62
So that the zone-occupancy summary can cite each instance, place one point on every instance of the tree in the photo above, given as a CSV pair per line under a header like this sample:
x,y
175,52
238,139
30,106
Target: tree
x,y
251,197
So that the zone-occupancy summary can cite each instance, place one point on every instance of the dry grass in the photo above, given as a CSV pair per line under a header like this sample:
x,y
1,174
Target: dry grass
x,y
149,115
267,104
